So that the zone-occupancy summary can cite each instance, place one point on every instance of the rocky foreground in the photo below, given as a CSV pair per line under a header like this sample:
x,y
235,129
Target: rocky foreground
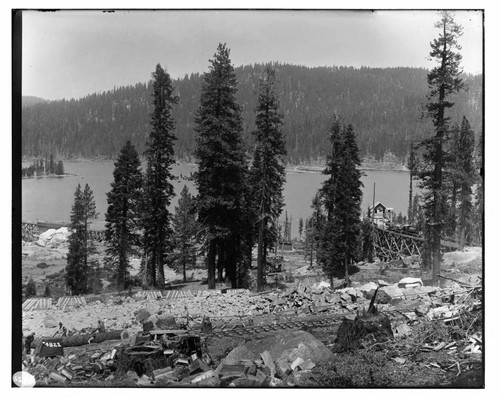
x,y
248,341
288,336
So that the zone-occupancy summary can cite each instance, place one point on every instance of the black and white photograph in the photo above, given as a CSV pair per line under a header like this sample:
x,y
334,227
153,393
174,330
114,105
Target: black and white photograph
x,y
248,198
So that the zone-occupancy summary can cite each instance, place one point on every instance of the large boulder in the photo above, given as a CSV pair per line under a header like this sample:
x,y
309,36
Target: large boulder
x,y
410,282
393,292
368,287
60,237
49,322
53,237
45,237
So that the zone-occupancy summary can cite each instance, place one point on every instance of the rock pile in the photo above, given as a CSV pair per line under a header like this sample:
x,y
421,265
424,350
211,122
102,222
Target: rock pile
x,y
177,358
53,237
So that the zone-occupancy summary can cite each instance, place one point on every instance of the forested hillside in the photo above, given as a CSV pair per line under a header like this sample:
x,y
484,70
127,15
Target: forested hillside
x,y
384,106
29,100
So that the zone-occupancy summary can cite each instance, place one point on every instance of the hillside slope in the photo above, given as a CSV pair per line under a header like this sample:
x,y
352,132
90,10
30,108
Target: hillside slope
x,y
384,105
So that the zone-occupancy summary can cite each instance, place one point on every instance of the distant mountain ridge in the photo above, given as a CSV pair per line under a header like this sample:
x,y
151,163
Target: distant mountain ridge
x,y
29,100
384,105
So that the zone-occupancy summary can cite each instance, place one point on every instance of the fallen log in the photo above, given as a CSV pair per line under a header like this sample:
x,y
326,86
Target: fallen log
x,y
82,339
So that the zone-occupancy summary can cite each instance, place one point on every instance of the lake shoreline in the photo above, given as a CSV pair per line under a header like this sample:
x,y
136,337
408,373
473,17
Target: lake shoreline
x,y
49,176
290,168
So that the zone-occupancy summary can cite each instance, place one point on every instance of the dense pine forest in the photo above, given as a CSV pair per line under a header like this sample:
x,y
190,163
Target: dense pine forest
x,y
384,105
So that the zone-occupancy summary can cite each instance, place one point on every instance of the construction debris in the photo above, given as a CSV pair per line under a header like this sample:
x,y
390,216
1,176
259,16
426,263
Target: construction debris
x,y
164,342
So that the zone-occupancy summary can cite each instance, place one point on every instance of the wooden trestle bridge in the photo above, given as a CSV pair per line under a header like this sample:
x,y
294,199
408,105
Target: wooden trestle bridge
x,y
392,245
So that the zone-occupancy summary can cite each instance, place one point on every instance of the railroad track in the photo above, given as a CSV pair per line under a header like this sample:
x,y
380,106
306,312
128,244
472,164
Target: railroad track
x,y
272,325
246,330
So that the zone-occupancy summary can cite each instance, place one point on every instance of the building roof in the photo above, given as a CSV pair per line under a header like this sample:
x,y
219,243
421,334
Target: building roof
x,y
377,203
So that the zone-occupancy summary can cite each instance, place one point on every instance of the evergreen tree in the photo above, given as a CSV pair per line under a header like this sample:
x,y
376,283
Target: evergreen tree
x,y
46,292
267,174
466,179
341,194
413,168
310,243
59,169
479,194
51,164
418,213
443,81
94,277
316,225
451,178
329,240
367,239
185,228
222,171
123,215
286,228
158,188
80,244
301,227
399,218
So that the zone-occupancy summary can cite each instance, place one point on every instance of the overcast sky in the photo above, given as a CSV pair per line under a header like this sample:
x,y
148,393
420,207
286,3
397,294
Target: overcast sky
x,y
70,54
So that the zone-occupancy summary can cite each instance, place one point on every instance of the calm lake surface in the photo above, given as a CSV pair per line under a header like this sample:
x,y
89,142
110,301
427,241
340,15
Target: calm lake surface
x,y
50,199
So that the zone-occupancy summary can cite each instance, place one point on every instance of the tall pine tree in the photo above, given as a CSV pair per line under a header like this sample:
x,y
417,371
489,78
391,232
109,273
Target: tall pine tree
x,y
80,244
267,174
122,234
341,194
478,211
466,179
412,167
316,225
222,170
444,81
158,188
185,230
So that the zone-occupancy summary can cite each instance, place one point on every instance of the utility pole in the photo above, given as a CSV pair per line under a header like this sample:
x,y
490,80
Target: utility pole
x,y
373,204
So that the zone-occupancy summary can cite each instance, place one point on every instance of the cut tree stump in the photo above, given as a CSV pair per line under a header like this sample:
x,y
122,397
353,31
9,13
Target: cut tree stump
x,y
368,328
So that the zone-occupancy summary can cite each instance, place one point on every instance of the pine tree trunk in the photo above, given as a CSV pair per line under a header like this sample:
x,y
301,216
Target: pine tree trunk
x,y
311,257
410,213
161,270
184,266
220,262
212,251
84,289
152,270
346,266
231,261
462,239
260,256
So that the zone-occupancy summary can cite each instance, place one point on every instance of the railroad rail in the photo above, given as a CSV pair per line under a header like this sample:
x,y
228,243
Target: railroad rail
x,y
392,245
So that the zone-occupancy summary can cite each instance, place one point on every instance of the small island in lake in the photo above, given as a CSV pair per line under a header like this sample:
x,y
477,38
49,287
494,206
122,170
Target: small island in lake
x,y
44,168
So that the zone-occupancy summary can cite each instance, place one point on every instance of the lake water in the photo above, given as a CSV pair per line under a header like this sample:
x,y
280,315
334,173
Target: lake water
x,y
50,199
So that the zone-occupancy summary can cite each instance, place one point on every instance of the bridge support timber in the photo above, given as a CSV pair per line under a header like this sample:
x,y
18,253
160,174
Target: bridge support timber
x,y
391,245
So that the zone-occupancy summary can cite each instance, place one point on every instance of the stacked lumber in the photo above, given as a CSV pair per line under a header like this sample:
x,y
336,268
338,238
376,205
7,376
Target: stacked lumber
x,y
66,301
37,304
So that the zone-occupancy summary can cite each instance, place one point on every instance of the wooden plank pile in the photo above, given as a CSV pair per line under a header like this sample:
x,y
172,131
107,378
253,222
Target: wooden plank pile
x,y
149,294
177,294
37,304
70,301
